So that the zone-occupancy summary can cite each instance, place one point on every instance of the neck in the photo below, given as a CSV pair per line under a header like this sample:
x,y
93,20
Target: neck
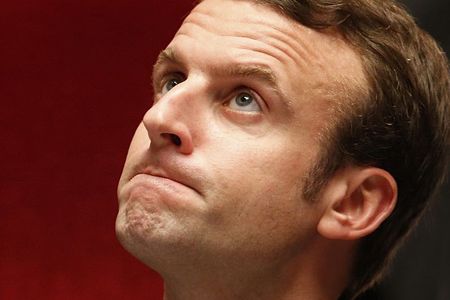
x,y
319,274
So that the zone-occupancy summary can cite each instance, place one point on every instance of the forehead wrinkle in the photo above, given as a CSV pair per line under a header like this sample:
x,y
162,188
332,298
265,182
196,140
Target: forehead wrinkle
x,y
292,45
271,50
292,40
288,44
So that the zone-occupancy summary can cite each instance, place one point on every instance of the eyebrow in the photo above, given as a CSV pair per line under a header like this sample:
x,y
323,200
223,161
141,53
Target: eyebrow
x,y
259,72
166,56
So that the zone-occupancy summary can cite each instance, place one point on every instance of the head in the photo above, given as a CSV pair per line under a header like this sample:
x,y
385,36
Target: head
x,y
272,122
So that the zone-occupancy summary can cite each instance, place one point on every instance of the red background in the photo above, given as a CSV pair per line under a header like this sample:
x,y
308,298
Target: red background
x,y
74,84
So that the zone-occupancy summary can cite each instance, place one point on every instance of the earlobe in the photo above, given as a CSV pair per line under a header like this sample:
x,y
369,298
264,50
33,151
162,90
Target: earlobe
x,y
358,201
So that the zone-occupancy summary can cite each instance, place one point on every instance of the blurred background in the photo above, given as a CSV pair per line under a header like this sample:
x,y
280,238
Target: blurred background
x,y
74,84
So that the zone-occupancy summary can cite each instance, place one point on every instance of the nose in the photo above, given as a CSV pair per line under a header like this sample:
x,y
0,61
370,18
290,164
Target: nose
x,y
169,123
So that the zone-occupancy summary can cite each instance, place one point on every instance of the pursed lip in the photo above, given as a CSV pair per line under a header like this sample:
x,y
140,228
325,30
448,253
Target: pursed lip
x,y
173,176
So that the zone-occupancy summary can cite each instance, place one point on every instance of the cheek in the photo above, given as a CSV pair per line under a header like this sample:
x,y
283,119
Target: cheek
x,y
263,168
256,181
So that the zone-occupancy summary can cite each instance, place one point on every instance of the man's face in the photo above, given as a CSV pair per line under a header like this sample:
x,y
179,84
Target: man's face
x,y
242,96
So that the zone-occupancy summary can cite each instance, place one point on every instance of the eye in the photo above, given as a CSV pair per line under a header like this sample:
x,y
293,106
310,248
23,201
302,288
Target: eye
x,y
244,101
170,83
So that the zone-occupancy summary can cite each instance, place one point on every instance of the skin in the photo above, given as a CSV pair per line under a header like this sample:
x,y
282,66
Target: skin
x,y
211,192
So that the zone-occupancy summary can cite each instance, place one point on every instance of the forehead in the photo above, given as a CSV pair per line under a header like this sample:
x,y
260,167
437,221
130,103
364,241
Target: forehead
x,y
241,23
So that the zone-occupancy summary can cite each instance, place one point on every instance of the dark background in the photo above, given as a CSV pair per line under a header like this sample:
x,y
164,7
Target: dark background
x,y
74,83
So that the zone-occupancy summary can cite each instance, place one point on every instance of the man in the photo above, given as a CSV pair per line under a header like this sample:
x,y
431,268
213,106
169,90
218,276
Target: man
x,y
290,148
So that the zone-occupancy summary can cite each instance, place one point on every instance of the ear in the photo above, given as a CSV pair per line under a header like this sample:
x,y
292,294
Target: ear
x,y
357,200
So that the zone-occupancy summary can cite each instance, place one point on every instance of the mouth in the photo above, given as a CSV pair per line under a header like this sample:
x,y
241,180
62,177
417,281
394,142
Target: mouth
x,y
167,178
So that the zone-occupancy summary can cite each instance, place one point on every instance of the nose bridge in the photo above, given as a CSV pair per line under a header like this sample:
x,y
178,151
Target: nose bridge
x,y
173,102
173,108
170,120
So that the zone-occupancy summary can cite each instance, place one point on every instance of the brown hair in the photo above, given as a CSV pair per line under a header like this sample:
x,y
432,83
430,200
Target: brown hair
x,y
403,124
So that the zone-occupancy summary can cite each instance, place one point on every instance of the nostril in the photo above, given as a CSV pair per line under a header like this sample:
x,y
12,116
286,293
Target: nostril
x,y
175,139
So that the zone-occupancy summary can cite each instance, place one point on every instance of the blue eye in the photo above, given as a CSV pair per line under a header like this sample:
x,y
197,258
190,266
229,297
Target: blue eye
x,y
170,84
244,101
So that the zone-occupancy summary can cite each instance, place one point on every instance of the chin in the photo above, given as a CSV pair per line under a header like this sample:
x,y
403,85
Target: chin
x,y
149,234
137,227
